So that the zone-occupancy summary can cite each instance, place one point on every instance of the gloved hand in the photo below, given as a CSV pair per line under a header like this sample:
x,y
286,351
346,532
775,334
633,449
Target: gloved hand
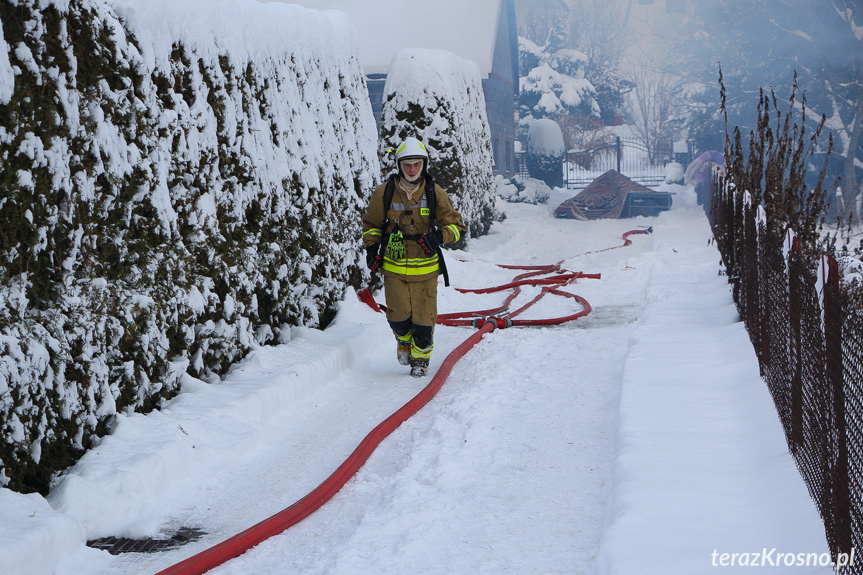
x,y
430,242
373,258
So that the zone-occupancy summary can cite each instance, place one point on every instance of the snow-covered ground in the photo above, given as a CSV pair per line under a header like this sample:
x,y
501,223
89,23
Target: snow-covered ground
x,y
637,440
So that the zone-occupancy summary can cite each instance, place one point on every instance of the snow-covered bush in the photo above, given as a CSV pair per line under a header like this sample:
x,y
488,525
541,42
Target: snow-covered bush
x,y
518,189
545,152
437,97
179,187
674,173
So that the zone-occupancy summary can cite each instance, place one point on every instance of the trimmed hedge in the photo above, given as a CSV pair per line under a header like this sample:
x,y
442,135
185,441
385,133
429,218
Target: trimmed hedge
x,y
546,152
450,119
162,214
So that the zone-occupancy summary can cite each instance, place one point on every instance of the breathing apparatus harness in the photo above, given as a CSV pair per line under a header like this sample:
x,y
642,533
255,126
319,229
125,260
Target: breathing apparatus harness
x,y
392,244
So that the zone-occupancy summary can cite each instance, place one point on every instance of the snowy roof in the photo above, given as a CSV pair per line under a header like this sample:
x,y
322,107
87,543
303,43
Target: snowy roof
x,y
466,28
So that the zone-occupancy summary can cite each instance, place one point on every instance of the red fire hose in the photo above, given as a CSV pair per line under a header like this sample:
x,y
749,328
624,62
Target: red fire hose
x,y
485,320
239,544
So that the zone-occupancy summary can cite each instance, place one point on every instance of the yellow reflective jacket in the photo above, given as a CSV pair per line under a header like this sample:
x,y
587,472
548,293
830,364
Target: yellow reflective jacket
x,y
412,219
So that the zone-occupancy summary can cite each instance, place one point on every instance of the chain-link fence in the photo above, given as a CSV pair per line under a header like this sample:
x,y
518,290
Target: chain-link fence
x,y
807,330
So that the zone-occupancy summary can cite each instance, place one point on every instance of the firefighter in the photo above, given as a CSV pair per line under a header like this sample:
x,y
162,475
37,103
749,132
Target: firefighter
x,y
409,217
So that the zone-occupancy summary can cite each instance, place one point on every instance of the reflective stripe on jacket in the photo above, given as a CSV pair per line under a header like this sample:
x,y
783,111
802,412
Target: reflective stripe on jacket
x,y
412,266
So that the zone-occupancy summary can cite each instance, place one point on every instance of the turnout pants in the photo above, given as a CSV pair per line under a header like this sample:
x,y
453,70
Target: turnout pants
x,y
412,312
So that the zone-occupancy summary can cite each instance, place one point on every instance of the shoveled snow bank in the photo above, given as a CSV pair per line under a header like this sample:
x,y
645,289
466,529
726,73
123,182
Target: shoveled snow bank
x,y
146,470
35,539
703,469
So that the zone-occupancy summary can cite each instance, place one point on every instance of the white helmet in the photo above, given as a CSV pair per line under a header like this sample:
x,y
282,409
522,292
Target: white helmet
x,y
411,148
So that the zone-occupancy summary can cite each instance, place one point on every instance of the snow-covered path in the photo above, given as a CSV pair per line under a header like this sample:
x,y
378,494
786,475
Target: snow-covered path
x,y
505,471
636,440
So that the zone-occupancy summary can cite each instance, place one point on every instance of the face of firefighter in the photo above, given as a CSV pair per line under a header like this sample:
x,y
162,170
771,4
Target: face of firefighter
x,y
412,169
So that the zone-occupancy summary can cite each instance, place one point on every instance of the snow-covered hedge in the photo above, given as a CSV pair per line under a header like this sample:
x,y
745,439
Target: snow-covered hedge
x,y
437,97
181,181
545,152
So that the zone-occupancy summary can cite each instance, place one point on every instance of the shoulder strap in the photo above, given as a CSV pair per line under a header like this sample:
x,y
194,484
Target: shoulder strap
x,y
389,190
431,199
388,194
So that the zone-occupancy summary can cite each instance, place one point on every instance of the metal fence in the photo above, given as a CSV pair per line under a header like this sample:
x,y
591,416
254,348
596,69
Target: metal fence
x,y
807,330
521,164
629,157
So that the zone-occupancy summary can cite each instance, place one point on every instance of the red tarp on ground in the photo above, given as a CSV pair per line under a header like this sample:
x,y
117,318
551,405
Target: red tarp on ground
x,y
604,198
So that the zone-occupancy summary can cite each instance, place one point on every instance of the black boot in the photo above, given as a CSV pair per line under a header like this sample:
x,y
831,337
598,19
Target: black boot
x,y
419,367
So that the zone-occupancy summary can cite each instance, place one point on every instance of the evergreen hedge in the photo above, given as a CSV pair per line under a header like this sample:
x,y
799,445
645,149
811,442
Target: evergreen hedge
x,y
546,153
160,215
448,117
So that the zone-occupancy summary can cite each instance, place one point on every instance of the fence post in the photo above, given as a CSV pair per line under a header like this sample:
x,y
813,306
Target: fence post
x,y
763,275
794,308
747,272
569,172
618,149
833,361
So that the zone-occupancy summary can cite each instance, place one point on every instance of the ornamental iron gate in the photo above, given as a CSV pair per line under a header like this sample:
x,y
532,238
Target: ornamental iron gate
x,y
629,157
